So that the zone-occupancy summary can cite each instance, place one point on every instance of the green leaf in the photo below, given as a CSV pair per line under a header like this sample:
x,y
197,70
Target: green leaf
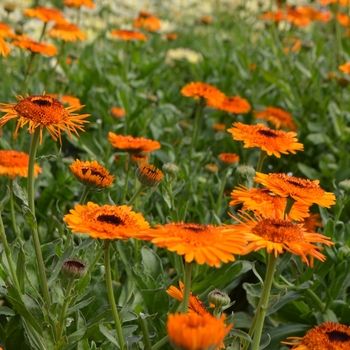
x,y
152,265
6,311
106,332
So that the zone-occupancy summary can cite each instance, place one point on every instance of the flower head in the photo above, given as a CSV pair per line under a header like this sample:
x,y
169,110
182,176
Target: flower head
x,y
201,243
327,336
147,21
171,36
138,158
41,111
149,175
74,268
24,42
301,190
196,332
91,174
14,163
210,93
4,47
105,222
345,68
277,117
45,14
206,19
79,3
273,142
117,112
212,168
132,144
278,235
128,35
67,32
233,104
228,158
68,100
6,31
195,306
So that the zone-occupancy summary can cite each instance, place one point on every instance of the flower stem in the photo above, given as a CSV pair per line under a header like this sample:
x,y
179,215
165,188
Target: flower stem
x,y
108,275
261,160
65,305
264,300
84,195
96,259
221,192
161,342
127,165
197,124
30,64
144,328
136,194
13,216
187,283
33,226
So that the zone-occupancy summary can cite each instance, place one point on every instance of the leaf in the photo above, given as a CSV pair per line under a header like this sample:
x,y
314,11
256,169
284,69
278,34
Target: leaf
x,y
152,265
108,335
6,311
80,305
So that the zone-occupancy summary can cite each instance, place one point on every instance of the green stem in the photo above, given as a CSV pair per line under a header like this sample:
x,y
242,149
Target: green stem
x,y
187,283
136,194
8,254
161,342
43,32
84,195
262,157
13,216
289,205
30,64
31,204
65,305
128,165
197,124
144,329
264,300
108,275
221,192
96,259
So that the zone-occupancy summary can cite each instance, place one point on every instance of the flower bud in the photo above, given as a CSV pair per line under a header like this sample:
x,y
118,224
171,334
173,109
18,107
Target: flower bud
x,y
74,268
218,299
149,175
170,169
345,185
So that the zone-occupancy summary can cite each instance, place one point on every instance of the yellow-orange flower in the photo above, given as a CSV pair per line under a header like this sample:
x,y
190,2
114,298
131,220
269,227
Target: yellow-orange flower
x,y
171,36
24,42
117,112
312,222
196,332
327,336
228,158
67,32
345,68
212,168
277,117
219,127
132,144
79,3
105,222
69,100
343,19
276,16
267,204
293,45
301,190
4,47
128,35
43,111
6,31
14,163
147,21
45,14
206,19
273,142
209,92
195,306
91,174
233,104
138,158
200,243
149,175
278,235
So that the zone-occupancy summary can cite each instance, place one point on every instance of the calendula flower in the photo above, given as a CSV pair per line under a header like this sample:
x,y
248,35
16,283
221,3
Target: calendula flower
x,y
219,127
206,19
277,117
132,144
24,42
45,14
293,45
6,31
74,268
149,175
138,158
345,68
210,93
148,21
314,14
128,35
68,100
343,19
195,306
228,158
117,112
252,66
278,235
276,16
212,168
105,222
14,163
267,204
233,104
5,48
195,332
200,243
301,190
91,174
79,3
43,111
312,222
67,32
296,17
273,142
171,36
327,336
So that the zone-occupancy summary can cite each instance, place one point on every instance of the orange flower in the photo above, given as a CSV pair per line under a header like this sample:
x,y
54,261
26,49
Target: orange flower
x,y
273,142
206,19
195,332
294,45
277,117
138,158
343,19
171,36
228,158
277,236
79,3
201,243
45,14
301,190
233,104
67,32
210,93
252,66
132,144
91,174
106,222
147,21
267,204
276,16
212,168
345,68
117,112
195,306
313,14
149,175
4,47
69,100
43,111
14,163
312,222
327,336
219,127
24,42
128,35
6,31
296,17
